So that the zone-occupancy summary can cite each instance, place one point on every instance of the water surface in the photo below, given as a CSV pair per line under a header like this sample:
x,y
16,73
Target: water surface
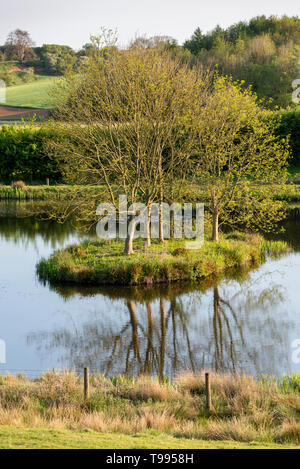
x,y
241,322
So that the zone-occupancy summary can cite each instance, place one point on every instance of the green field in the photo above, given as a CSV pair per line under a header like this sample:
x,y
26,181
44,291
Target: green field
x,y
27,438
34,94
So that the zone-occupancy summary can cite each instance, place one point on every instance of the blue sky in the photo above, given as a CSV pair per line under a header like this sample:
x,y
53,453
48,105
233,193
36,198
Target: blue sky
x,y
72,21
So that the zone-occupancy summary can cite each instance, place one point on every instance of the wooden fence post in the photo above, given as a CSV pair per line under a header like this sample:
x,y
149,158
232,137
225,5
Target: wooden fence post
x,y
86,384
207,392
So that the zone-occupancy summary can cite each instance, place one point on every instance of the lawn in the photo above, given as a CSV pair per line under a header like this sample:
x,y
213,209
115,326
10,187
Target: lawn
x,y
33,438
34,94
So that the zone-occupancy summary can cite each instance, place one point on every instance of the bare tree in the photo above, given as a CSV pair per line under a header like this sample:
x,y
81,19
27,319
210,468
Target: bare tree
x,y
19,42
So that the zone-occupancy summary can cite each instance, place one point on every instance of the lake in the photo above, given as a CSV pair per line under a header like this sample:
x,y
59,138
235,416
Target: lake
x,y
244,321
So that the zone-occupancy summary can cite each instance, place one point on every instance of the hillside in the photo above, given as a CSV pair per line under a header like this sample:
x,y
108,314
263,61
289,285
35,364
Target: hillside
x,y
34,94
264,52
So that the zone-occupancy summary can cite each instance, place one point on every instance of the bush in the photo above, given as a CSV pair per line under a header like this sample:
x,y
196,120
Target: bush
x,y
23,154
290,126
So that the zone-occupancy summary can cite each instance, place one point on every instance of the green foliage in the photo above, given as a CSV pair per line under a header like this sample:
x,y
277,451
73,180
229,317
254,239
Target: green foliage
x,y
24,75
56,59
282,29
23,154
289,126
241,162
263,52
290,382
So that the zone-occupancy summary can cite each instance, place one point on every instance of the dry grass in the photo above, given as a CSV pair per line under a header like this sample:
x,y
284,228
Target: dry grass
x,y
244,410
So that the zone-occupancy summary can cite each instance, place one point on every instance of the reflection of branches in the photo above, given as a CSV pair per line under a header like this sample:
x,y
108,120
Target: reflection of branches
x,y
219,310
174,329
114,348
163,337
135,339
150,351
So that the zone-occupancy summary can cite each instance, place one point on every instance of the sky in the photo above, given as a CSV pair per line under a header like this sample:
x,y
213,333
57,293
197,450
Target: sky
x,y
71,22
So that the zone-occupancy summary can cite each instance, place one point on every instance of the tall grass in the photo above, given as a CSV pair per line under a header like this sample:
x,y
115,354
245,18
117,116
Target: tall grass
x,y
243,409
290,382
41,192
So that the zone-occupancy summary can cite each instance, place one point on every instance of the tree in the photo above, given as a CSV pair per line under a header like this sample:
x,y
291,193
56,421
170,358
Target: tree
x,y
57,58
122,114
239,159
264,52
19,43
195,44
155,42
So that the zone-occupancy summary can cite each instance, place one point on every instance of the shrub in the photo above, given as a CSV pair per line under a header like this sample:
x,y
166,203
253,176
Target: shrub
x,y
23,154
181,251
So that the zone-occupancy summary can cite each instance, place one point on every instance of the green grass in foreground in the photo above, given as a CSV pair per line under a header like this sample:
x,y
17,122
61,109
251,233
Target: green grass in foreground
x,y
103,262
34,94
39,438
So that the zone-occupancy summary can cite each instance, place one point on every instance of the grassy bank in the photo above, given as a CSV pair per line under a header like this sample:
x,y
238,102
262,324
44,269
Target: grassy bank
x,y
142,412
290,194
42,192
103,262
33,192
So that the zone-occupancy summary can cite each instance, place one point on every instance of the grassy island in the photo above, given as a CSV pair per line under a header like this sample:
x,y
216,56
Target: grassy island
x,y
103,262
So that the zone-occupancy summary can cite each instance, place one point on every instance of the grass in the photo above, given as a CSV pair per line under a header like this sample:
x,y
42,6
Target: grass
x,y
290,194
145,413
34,94
103,262
32,438
290,382
40,192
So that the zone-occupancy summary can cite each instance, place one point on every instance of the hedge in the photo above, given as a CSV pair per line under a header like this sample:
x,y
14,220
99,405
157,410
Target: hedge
x,y
23,154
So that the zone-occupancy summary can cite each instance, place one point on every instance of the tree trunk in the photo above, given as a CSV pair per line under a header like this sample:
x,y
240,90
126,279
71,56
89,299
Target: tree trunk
x,y
148,238
161,227
215,228
129,240
161,198
172,224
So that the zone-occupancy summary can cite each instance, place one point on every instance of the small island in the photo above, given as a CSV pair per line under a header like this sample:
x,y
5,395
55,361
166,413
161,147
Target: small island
x,y
104,262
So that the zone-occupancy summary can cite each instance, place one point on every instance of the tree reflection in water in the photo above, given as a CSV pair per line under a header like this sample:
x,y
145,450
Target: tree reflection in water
x,y
224,325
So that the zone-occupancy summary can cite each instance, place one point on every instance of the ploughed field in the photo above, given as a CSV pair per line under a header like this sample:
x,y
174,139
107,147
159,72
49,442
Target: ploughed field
x,y
11,112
